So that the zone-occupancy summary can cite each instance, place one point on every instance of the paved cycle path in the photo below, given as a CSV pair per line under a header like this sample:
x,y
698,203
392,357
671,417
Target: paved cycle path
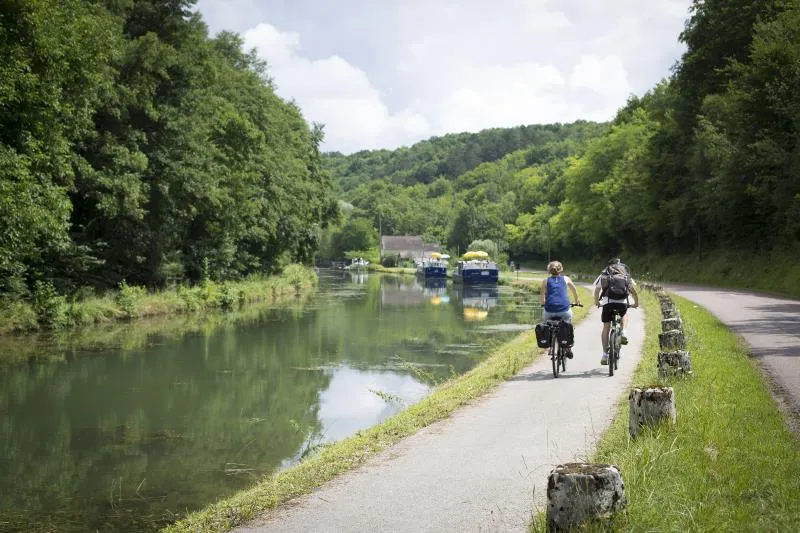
x,y
770,326
484,468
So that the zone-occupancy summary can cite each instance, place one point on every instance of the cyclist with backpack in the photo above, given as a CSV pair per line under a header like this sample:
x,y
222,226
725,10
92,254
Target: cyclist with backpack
x,y
611,292
554,297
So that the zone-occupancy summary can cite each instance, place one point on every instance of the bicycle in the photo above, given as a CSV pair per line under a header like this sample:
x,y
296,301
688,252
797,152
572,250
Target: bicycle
x,y
614,341
557,350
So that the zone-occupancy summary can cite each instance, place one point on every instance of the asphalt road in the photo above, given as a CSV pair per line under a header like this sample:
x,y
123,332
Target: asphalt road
x,y
485,468
770,326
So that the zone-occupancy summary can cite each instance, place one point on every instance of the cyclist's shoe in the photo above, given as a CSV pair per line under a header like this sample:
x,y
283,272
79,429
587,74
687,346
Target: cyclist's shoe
x,y
623,339
567,352
604,359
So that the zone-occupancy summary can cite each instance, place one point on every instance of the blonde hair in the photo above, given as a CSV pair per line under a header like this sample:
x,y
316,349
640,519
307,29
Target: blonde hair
x,y
555,268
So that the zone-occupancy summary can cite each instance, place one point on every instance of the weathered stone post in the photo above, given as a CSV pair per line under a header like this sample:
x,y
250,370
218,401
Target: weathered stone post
x,y
672,340
674,363
650,406
671,313
672,323
667,307
578,493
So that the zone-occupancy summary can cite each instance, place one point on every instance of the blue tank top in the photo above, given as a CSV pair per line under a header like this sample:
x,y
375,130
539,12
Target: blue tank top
x,y
556,299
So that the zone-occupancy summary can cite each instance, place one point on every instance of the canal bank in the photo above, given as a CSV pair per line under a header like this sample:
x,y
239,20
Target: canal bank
x,y
47,311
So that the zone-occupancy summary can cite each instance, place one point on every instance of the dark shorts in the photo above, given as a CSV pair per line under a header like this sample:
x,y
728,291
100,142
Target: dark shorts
x,y
606,314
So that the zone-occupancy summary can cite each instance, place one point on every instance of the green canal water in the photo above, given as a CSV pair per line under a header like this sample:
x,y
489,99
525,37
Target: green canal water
x,y
149,421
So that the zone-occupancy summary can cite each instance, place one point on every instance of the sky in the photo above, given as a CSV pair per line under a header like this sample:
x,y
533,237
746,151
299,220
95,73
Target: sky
x,y
389,73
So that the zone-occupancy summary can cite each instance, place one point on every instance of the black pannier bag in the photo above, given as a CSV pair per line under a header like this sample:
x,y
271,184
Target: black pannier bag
x,y
566,334
542,335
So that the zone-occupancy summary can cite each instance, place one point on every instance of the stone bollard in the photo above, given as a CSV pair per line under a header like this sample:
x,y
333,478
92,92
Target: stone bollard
x,y
672,340
667,306
671,323
666,302
650,406
579,493
674,363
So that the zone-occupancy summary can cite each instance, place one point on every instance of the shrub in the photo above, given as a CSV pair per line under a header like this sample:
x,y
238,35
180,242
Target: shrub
x,y
191,302
17,317
210,293
128,297
49,306
298,276
227,298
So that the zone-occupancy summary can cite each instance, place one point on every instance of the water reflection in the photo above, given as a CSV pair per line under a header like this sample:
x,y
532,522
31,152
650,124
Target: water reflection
x,y
483,297
402,291
355,398
130,437
477,300
358,277
435,290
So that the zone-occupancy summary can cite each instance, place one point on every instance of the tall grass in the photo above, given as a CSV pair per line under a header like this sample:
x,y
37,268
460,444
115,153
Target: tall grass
x,y
48,310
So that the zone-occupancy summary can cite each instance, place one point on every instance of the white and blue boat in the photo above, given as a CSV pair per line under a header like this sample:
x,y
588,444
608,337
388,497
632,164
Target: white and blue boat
x,y
476,268
358,264
433,267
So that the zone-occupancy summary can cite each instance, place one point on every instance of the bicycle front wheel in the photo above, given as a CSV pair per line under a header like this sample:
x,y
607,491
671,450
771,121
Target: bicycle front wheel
x,y
612,352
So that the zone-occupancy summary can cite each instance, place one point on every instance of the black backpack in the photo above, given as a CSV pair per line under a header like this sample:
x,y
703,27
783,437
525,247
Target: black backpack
x,y
615,283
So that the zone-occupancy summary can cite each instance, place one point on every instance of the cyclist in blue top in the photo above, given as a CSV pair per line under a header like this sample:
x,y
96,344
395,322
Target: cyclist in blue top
x,y
553,294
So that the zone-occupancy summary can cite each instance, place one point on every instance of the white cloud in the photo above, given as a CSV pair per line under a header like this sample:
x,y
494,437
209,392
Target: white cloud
x,y
503,96
333,92
607,78
383,75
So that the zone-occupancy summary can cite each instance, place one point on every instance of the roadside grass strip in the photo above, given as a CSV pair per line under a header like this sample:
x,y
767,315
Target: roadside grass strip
x,y
730,463
349,453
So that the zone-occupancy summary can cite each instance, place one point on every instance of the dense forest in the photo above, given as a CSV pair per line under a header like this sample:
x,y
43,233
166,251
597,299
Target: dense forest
x,y
135,147
709,159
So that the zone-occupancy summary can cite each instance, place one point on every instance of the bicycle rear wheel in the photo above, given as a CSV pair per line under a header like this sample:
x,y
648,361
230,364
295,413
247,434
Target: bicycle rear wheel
x,y
554,358
554,349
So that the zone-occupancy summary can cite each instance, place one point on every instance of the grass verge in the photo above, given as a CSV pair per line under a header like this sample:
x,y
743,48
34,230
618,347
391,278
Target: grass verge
x,y
349,453
50,311
730,463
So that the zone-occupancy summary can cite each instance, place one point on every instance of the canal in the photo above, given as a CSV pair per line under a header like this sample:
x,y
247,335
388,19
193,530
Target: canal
x,y
148,421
